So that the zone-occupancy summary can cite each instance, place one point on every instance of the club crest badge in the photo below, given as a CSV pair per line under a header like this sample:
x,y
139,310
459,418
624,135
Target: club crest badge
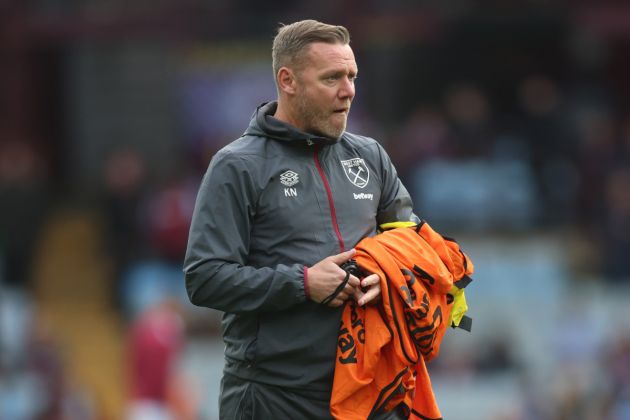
x,y
356,171
289,178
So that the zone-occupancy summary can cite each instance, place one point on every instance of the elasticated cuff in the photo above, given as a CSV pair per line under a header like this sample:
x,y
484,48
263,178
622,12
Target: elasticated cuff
x,y
306,291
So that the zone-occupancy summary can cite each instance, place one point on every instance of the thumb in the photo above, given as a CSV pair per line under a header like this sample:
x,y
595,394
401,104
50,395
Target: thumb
x,y
343,257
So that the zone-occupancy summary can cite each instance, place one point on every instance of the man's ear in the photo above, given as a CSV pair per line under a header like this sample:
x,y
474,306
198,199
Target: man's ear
x,y
286,81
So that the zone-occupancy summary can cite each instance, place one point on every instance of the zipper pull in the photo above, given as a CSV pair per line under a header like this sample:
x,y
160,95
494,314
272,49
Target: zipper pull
x,y
309,142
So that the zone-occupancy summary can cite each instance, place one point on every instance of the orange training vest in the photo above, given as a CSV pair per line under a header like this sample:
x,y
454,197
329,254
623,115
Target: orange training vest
x,y
382,349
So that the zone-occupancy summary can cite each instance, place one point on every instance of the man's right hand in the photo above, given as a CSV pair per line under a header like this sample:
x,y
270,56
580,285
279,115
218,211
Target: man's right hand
x,y
326,275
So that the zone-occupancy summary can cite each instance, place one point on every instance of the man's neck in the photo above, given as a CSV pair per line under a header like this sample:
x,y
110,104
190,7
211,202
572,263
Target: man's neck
x,y
282,113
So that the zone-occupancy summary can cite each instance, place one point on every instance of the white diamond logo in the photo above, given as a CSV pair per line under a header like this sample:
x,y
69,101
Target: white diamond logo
x,y
289,178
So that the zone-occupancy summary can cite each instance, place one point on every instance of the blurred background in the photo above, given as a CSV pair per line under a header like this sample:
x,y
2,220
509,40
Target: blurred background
x,y
509,122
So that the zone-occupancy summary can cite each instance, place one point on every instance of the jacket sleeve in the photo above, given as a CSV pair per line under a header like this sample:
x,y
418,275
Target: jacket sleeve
x,y
215,266
396,204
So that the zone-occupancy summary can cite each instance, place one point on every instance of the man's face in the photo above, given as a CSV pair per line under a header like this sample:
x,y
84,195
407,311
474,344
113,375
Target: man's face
x,y
325,89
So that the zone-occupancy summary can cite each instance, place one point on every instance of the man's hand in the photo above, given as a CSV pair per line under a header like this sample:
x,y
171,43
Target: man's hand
x,y
372,286
326,275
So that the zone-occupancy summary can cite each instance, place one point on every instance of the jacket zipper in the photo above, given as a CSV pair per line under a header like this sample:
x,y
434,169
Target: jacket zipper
x,y
331,204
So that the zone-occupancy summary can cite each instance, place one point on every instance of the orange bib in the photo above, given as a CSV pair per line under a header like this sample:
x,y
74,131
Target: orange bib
x,y
382,349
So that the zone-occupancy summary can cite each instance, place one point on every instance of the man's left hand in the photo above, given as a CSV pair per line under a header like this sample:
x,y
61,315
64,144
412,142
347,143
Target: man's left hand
x,y
372,286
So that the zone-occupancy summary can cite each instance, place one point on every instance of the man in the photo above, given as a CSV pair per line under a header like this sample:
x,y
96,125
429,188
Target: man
x,y
278,212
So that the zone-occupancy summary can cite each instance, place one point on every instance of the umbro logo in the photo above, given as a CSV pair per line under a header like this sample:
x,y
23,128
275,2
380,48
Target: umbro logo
x,y
289,178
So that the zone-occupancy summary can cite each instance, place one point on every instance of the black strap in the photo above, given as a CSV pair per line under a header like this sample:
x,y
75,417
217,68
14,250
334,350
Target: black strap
x,y
465,323
422,417
463,282
419,226
338,290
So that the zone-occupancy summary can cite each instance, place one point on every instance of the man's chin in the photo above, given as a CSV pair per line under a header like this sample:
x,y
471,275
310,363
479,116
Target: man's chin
x,y
329,134
334,137
335,133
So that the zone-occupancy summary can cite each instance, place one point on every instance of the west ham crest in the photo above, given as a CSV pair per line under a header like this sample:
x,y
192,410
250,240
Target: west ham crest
x,y
357,171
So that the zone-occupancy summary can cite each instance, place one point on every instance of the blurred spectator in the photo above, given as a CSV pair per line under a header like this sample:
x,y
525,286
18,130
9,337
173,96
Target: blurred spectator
x,y
615,240
124,175
21,395
550,152
471,119
33,375
617,365
167,217
497,356
597,153
424,135
155,343
624,146
46,363
24,198
16,320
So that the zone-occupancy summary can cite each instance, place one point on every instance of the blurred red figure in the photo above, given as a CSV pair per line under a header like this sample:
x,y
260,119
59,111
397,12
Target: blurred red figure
x,y
169,212
156,340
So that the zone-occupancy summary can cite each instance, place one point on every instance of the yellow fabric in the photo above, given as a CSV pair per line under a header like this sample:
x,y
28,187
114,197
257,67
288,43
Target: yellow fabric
x,y
459,308
395,225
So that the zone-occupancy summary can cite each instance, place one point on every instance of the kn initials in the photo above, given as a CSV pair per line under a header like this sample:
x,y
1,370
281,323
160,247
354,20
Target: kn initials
x,y
290,192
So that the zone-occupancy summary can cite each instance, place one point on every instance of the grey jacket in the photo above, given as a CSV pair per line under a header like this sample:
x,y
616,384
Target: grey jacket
x,y
272,202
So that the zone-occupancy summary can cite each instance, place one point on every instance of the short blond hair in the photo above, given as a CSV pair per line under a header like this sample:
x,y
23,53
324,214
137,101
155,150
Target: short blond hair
x,y
291,42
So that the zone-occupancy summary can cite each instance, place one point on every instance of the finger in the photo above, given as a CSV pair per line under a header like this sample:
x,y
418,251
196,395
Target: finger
x,y
354,281
343,296
358,294
343,257
349,291
370,280
336,302
370,295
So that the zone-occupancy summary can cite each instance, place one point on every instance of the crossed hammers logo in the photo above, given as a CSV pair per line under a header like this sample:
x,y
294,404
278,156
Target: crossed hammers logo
x,y
356,171
357,175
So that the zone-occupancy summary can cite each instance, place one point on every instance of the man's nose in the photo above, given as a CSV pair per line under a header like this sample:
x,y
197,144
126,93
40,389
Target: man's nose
x,y
346,90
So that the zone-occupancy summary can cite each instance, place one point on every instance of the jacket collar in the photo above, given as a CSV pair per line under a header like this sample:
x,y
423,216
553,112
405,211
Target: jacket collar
x,y
264,124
